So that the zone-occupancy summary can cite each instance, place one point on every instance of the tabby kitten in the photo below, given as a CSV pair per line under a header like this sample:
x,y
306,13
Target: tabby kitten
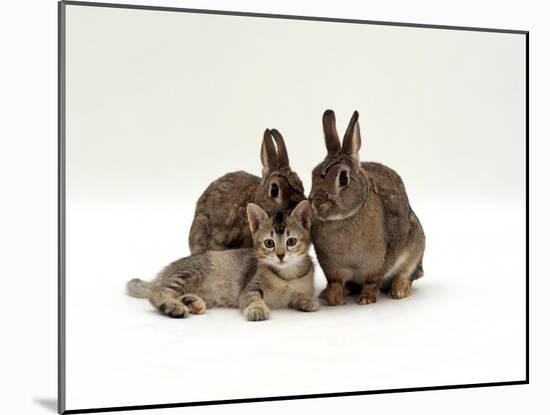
x,y
277,272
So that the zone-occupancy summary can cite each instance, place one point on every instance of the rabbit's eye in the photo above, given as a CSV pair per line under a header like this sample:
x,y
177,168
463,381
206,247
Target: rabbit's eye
x,y
344,178
274,190
291,241
269,243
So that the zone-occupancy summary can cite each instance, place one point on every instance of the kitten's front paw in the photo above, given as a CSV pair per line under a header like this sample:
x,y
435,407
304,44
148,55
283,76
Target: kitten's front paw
x,y
307,304
256,312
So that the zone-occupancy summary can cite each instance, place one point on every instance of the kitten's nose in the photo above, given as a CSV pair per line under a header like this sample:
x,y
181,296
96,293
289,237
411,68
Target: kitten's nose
x,y
280,256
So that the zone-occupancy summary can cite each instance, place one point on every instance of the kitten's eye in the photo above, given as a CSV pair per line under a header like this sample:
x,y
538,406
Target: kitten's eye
x,y
269,243
344,178
274,190
291,241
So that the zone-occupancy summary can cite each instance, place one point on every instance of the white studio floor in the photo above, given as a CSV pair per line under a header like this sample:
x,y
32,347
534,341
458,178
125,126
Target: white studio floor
x,y
465,322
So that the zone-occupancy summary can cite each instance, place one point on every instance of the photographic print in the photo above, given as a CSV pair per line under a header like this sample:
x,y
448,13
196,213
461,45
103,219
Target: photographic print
x,y
260,207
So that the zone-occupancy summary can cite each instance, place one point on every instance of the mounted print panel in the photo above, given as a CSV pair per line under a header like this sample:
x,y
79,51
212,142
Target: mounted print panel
x,y
345,202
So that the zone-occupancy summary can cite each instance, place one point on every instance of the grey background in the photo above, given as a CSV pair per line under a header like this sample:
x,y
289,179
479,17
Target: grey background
x,y
164,102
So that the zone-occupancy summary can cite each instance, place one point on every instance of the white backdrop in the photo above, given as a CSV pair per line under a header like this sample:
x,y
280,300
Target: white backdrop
x,y
28,89
160,104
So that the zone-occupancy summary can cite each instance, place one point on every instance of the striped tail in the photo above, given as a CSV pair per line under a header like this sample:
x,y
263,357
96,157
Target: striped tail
x,y
139,288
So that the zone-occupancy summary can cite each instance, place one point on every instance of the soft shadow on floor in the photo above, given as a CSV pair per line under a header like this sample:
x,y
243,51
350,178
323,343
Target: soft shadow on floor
x,y
48,403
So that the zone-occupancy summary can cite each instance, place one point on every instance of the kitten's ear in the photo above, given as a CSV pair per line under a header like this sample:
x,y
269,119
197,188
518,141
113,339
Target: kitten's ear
x,y
255,215
302,212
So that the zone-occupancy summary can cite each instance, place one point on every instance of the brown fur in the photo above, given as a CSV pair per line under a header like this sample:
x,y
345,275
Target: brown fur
x,y
363,231
220,220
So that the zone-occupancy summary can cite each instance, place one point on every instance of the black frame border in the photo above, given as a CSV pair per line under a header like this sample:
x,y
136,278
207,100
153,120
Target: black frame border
x,y
61,305
61,207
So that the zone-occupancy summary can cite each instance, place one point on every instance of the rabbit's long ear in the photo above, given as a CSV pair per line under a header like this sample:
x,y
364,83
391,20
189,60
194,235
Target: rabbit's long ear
x,y
331,134
281,148
352,139
268,154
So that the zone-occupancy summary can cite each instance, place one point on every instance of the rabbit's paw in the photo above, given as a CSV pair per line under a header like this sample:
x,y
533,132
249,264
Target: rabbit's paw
x,y
334,294
366,298
400,288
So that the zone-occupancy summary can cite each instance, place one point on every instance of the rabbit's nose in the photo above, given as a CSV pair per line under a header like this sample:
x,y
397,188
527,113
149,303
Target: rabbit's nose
x,y
322,205
317,200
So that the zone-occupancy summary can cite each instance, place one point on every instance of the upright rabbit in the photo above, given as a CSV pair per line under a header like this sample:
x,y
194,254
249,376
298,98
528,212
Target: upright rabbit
x,y
220,220
364,231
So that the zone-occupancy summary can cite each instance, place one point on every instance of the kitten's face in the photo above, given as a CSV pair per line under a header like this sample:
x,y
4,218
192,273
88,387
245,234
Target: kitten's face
x,y
280,240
